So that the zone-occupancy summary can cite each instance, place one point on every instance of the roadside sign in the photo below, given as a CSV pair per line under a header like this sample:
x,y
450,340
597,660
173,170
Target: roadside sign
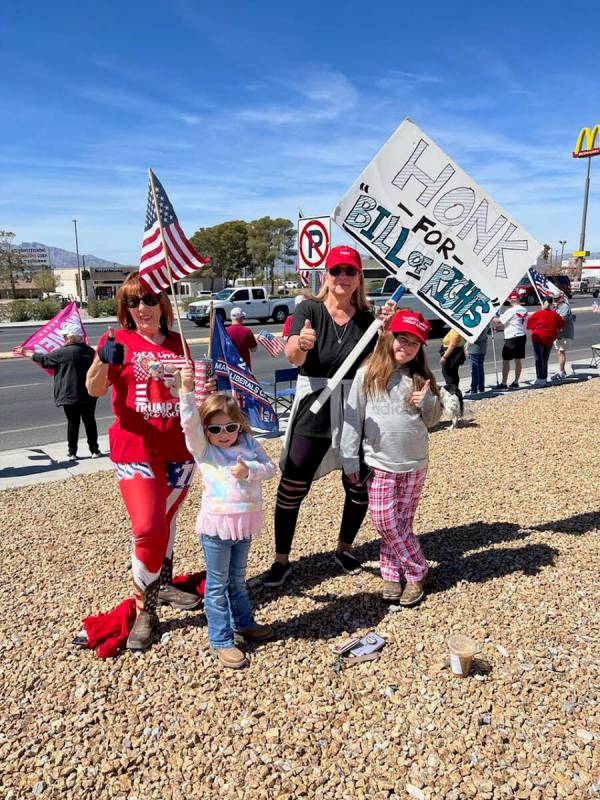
x,y
581,254
432,227
314,242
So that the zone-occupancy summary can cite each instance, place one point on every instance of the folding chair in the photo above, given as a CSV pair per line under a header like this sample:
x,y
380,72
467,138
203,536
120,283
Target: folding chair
x,y
285,395
595,361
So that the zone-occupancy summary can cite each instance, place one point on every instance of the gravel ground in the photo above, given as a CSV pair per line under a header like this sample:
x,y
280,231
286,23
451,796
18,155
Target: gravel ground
x,y
510,522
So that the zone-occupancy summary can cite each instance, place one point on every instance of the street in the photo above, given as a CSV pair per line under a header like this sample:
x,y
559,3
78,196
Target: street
x,y
28,416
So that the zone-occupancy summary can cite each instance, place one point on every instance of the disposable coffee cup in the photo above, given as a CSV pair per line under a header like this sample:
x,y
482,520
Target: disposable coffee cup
x,y
462,649
202,373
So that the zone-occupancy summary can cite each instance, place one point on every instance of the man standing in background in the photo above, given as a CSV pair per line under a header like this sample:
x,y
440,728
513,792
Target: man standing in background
x,y
241,336
513,322
563,342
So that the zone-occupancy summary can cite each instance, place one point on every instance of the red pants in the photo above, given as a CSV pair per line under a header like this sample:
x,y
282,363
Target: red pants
x,y
152,493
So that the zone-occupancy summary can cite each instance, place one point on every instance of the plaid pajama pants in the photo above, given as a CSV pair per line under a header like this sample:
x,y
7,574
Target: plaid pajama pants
x,y
393,501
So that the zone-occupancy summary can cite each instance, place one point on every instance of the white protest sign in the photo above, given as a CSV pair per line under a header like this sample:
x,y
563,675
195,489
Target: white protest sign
x,y
419,214
314,242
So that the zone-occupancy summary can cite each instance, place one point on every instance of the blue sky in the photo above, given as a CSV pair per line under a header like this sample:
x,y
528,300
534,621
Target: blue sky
x,y
249,109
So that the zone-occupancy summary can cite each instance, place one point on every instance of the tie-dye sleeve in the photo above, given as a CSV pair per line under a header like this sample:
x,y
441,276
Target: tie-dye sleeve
x,y
261,468
190,422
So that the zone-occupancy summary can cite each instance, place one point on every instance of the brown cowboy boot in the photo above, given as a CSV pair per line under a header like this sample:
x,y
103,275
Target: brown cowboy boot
x,y
145,627
169,595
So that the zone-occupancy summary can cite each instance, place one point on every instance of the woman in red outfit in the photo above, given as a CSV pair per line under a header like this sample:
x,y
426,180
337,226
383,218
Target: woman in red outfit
x,y
152,463
544,326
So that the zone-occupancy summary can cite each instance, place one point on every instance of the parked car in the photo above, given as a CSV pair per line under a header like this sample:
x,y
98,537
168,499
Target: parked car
x,y
253,300
379,297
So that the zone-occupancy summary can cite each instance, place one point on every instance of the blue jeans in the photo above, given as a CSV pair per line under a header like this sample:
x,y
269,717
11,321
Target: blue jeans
x,y
477,373
226,601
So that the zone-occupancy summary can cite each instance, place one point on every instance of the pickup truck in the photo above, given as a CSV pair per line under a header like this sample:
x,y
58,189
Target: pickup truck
x,y
380,296
253,300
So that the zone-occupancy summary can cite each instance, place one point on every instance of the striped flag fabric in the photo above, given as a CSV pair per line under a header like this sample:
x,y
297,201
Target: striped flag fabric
x,y
545,287
183,258
272,344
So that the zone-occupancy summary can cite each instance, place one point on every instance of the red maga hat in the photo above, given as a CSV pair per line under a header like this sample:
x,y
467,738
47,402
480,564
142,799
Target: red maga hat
x,y
410,322
342,254
513,296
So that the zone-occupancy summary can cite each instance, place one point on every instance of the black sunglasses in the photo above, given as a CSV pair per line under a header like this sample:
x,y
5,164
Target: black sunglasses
x,y
147,300
350,271
230,427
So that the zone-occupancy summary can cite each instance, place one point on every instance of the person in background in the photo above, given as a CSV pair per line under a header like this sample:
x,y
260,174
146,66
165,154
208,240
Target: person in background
x,y
241,336
513,322
477,351
452,357
544,325
563,342
70,365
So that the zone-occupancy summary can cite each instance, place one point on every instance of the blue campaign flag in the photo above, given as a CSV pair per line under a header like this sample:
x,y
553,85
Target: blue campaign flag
x,y
233,375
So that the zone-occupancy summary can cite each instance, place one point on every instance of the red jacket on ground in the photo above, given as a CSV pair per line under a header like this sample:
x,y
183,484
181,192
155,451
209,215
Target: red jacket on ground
x,y
545,325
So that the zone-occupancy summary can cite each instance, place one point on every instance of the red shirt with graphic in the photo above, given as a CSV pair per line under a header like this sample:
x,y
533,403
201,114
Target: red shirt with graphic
x,y
146,426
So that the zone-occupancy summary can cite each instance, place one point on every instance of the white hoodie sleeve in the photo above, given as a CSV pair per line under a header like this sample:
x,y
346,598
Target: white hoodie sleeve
x,y
190,422
352,432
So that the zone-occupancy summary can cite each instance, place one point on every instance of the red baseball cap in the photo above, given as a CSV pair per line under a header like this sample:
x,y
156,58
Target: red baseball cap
x,y
342,254
406,321
513,296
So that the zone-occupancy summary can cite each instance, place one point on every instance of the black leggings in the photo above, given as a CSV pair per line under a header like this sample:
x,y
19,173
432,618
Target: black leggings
x,y
81,412
304,456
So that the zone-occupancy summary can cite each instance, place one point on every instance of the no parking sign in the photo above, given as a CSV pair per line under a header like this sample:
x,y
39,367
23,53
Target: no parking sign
x,y
314,242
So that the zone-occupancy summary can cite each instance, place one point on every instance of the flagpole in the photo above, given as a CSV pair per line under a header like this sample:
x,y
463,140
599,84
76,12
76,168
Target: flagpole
x,y
211,314
494,351
186,347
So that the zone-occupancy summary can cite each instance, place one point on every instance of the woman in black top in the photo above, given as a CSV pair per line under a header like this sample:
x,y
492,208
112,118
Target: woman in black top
x,y
323,332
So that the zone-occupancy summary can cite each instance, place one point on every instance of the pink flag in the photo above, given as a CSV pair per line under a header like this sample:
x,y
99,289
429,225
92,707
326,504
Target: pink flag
x,y
49,337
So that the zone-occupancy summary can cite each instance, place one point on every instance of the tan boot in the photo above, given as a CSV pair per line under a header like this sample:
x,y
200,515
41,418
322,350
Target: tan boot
x,y
145,627
231,657
413,593
392,590
257,633
170,595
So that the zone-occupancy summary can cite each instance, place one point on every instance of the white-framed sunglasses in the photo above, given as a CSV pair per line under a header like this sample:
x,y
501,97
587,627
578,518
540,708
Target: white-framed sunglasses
x,y
230,427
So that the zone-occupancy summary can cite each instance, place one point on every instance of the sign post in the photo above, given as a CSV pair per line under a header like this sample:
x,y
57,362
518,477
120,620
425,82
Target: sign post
x,y
591,150
314,244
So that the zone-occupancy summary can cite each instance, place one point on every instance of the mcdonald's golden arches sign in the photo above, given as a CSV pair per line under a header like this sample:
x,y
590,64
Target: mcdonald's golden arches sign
x,y
591,139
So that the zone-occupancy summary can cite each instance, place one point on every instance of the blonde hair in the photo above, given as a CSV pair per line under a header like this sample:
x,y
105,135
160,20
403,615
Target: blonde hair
x,y
223,404
382,362
359,297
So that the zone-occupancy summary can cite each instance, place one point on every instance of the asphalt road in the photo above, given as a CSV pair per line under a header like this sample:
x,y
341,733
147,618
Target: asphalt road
x,y
28,416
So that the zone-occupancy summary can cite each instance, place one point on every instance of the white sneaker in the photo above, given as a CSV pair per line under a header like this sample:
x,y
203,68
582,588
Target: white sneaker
x,y
96,455
72,457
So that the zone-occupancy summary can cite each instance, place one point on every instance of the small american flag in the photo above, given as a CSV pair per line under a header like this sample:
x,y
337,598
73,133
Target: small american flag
x,y
545,287
272,345
183,258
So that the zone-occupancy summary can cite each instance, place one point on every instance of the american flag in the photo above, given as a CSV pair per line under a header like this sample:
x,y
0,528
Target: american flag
x,y
545,287
183,259
272,345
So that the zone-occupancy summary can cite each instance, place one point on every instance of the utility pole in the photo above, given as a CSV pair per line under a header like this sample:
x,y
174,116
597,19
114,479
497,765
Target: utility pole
x,y
586,194
80,292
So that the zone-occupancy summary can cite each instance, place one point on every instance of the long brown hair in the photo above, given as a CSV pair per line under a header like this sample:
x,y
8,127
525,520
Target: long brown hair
x,y
133,287
359,297
382,362
223,404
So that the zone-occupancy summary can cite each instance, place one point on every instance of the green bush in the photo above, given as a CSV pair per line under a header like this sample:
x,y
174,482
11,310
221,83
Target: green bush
x,y
93,308
16,311
108,308
102,308
43,309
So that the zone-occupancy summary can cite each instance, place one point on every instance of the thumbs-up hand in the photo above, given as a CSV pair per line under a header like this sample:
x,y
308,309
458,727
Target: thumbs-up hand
x,y
111,352
307,336
240,469
417,398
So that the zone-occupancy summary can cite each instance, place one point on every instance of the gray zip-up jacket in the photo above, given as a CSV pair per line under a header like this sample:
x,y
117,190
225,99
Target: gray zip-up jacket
x,y
392,432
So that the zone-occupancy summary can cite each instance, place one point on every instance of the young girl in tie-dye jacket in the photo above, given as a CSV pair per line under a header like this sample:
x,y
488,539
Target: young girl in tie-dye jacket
x,y
233,465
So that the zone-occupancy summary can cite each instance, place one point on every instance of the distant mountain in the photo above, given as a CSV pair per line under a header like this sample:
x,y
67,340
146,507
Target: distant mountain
x,y
61,259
